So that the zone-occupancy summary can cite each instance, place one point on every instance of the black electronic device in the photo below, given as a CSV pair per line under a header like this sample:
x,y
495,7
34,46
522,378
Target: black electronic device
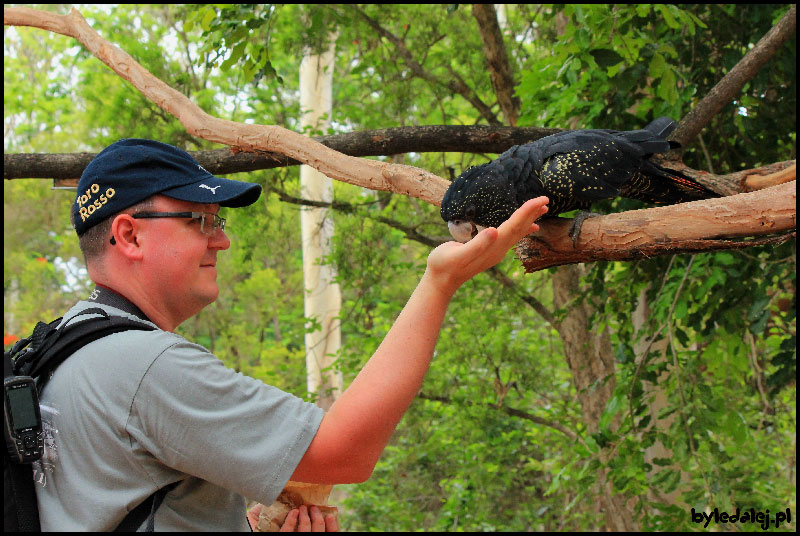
x,y
23,420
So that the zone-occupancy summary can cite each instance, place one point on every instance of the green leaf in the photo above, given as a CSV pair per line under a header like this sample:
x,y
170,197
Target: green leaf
x,y
207,18
236,54
605,57
757,309
657,65
681,307
666,12
612,408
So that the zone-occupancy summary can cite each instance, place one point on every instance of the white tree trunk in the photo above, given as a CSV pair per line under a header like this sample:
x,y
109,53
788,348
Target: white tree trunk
x,y
322,298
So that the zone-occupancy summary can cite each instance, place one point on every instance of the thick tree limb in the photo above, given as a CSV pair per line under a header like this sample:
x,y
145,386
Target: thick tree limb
x,y
688,227
494,50
387,141
733,82
370,174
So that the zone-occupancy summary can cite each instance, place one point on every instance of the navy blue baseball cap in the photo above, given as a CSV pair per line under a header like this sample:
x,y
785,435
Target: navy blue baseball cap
x,y
131,170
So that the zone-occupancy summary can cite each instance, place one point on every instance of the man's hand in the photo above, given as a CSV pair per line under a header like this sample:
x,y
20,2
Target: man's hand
x,y
453,263
301,519
298,520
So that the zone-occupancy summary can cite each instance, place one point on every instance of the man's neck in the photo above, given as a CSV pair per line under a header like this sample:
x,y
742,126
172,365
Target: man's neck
x,y
108,296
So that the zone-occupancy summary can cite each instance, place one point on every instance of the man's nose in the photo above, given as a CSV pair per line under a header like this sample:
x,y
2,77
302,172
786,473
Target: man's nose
x,y
219,240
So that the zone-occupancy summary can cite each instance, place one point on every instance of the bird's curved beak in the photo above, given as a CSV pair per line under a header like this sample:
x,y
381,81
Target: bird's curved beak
x,y
463,230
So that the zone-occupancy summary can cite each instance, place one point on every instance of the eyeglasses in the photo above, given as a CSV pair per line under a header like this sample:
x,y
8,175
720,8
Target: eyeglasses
x,y
209,223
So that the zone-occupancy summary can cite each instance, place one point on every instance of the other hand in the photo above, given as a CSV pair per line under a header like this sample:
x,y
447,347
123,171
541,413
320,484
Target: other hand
x,y
305,519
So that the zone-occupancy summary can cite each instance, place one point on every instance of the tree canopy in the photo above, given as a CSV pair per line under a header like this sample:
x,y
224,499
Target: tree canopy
x,y
610,395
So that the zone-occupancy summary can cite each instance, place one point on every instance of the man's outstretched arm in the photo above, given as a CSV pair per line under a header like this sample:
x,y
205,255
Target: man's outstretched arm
x,y
358,426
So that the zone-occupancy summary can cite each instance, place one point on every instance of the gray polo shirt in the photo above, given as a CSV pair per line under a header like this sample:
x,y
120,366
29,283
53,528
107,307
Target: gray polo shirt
x,y
135,411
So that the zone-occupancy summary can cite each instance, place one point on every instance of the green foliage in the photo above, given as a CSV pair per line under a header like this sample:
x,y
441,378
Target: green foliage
x,y
606,61
717,341
498,439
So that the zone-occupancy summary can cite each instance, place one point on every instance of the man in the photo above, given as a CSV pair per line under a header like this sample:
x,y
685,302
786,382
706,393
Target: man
x,y
141,411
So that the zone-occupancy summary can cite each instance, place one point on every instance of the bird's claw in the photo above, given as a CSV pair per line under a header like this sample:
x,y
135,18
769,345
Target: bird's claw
x,y
577,223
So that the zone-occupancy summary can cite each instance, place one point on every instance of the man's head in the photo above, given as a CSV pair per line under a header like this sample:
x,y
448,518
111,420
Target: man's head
x,y
147,217
129,171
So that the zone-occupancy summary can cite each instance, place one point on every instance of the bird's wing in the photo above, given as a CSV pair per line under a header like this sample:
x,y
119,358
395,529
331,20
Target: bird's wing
x,y
589,166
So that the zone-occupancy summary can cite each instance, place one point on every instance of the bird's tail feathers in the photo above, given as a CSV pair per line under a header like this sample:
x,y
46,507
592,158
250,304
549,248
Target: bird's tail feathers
x,y
662,127
681,186
652,138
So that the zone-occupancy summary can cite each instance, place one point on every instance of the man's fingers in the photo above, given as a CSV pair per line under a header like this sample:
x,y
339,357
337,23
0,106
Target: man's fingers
x,y
253,514
290,523
304,523
317,521
524,217
331,523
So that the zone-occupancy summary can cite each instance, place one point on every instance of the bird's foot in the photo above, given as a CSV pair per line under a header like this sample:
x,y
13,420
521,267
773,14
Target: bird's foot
x,y
577,223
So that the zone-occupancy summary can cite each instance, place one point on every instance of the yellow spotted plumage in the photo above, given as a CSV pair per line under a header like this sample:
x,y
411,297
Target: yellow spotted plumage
x,y
573,169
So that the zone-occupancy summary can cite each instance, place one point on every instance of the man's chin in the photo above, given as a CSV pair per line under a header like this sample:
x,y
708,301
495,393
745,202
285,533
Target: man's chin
x,y
205,298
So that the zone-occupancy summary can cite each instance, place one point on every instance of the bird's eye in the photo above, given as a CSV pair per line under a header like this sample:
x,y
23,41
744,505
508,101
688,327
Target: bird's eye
x,y
470,212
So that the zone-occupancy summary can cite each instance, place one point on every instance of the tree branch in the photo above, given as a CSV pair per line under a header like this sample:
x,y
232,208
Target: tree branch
x,y
687,227
455,85
733,82
387,141
759,181
738,181
370,174
410,232
497,59
512,412
535,304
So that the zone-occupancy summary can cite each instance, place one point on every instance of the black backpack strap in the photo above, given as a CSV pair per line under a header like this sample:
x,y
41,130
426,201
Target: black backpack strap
x,y
51,345
73,336
20,512
59,344
145,511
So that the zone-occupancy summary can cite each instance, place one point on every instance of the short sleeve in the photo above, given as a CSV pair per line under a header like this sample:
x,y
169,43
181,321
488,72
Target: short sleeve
x,y
195,415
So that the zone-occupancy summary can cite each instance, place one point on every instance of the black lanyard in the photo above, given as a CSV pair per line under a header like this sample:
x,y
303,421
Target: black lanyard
x,y
106,296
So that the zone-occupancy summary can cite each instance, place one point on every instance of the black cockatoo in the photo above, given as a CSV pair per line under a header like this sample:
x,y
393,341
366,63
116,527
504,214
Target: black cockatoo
x,y
573,169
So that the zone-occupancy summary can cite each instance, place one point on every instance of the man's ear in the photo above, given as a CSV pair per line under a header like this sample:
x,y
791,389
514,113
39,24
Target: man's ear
x,y
125,234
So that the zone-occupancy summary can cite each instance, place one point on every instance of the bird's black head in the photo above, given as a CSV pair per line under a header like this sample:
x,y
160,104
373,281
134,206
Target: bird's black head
x,y
480,197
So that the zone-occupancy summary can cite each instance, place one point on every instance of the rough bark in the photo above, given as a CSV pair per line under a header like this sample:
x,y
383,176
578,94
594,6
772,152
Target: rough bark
x,y
687,227
494,50
588,351
591,361
651,351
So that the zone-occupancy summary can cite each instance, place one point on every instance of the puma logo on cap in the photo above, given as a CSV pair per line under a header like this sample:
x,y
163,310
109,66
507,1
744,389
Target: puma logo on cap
x,y
213,190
